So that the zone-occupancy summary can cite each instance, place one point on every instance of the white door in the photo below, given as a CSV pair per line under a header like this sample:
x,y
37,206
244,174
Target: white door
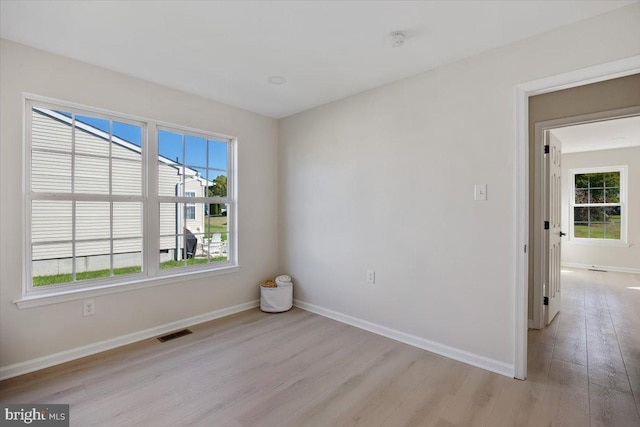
x,y
554,233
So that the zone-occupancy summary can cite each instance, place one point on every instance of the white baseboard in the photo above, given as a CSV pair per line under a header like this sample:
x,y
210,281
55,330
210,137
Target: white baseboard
x,y
601,267
87,350
492,365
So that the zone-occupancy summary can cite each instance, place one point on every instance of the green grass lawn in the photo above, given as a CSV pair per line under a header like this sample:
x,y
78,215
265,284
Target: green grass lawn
x,y
190,261
85,275
599,231
88,275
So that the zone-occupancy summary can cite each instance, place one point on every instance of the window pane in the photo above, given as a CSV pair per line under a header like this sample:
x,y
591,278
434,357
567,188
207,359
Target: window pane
x,y
127,219
170,146
217,247
93,122
51,264
172,255
611,179
596,196
596,180
581,214
127,256
90,139
612,195
612,230
169,179
582,181
91,175
127,177
170,221
194,217
216,219
195,151
127,132
596,215
93,260
582,196
50,221
188,251
51,172
93,221
217,155
49,133
171,243
217,181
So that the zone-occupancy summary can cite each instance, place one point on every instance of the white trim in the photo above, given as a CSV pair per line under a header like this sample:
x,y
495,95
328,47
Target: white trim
x,y
601,267
597,73
76,293
90,349
473,359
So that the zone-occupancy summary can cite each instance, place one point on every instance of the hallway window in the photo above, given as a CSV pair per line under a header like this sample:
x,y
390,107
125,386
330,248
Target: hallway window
x,y
598,204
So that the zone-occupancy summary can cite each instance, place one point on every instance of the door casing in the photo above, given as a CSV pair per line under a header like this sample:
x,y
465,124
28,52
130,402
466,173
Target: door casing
x,y
598,73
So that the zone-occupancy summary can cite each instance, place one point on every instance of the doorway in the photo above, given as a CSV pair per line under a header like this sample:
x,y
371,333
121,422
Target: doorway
x,y
554,220
606,77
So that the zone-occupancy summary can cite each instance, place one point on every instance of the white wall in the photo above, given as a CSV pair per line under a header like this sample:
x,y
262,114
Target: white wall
x,y
384,180
600,255
30,333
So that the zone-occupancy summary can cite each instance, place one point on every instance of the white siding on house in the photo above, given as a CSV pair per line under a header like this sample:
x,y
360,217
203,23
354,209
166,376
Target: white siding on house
x,y
51,172
49,134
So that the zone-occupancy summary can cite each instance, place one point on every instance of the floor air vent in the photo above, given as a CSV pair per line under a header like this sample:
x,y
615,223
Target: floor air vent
x,y
174,335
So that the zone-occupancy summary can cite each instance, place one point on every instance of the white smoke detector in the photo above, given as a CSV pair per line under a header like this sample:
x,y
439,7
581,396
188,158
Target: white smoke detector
x,y
396,39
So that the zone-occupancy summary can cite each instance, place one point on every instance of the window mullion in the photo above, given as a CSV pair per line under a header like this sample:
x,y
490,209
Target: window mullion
x,y
111,266
151,223
73,203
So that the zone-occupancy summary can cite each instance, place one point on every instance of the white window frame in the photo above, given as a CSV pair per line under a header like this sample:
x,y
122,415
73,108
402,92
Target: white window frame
x,y
151,274
623,206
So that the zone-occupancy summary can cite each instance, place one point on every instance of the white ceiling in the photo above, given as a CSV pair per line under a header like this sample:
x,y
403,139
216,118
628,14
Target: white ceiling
x,y
327,50
605,135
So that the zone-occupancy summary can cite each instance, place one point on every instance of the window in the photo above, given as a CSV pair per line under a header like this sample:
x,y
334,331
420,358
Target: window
x,y
190,212
194,198
93,193
598,210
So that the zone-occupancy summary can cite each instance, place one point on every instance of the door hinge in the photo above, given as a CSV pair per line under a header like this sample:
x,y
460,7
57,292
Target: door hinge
x,y
546,149
546,225
525,249
545,301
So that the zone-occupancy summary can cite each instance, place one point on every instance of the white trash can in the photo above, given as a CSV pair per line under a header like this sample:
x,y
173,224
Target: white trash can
x,y
278,299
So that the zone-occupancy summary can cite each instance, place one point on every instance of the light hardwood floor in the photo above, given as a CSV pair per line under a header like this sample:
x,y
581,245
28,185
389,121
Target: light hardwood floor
x,y
300,369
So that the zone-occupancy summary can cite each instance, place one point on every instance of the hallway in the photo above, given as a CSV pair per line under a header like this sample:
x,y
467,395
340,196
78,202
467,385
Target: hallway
x,y
586,364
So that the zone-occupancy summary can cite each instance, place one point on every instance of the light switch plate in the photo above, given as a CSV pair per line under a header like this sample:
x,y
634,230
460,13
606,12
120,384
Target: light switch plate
x,y
480,192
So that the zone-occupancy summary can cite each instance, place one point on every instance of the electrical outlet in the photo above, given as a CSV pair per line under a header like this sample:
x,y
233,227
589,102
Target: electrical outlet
x,y
371,276
88,307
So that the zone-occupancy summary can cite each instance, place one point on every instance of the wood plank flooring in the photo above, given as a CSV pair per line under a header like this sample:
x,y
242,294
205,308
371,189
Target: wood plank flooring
x,y
300,369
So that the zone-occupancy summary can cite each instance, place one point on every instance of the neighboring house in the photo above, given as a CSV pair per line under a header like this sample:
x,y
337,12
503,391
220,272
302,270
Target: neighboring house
x,y
53,129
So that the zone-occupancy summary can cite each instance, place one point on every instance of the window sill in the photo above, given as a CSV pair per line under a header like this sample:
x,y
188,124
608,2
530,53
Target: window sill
x,y
598,242
40,299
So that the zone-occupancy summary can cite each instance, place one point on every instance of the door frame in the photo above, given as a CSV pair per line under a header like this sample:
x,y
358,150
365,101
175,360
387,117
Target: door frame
x,y
611,70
